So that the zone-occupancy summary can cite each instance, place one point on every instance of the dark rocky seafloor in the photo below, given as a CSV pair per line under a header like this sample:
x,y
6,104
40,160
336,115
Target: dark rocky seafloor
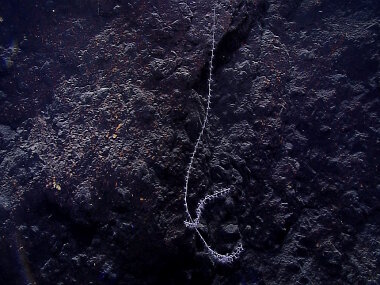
x,y
101,103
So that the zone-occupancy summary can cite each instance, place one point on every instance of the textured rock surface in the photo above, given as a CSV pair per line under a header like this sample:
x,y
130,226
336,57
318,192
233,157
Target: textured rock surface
x,y
100,105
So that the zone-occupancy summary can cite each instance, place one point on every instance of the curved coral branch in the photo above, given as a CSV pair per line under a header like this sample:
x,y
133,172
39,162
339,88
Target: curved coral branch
x,y
202,203
194,223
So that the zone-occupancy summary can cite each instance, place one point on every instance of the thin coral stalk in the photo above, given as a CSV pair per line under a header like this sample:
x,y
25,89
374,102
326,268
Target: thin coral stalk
x,y
194,223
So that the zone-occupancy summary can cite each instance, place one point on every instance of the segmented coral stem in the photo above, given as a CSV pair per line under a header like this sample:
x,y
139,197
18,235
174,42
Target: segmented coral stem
x,y
194,223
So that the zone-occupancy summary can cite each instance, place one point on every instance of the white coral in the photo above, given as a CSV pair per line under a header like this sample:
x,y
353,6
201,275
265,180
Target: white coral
x,y
194,223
